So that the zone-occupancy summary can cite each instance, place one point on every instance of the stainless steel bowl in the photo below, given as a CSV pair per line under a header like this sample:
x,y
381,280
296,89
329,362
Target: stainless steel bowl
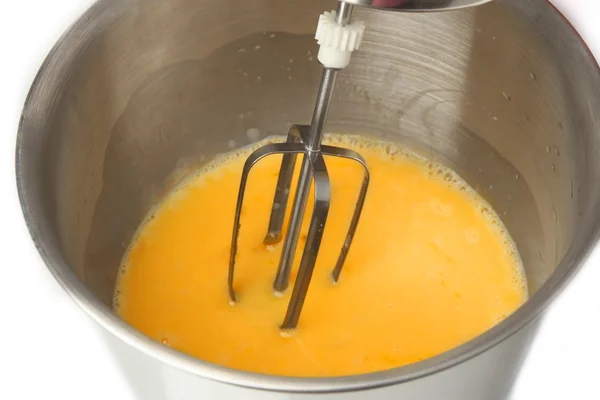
x,y
138,92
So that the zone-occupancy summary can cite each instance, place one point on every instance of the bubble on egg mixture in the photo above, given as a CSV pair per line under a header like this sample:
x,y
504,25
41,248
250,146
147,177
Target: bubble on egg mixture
x,y
441,209
472,235
253,134
286,333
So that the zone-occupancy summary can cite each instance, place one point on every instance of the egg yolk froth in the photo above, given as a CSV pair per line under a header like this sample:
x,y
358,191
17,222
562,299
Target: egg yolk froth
x,y
431,267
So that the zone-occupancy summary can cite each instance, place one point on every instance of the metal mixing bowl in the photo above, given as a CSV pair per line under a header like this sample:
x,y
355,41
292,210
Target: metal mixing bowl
x,y
139,92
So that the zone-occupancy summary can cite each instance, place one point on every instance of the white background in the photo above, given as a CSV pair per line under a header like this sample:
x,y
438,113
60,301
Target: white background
x,y
50,349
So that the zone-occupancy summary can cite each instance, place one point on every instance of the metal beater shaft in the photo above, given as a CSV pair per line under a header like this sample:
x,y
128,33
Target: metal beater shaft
x,y
305,140
313,144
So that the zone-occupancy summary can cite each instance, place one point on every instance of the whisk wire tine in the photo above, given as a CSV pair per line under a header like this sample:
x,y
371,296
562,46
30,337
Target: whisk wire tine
x,y
256,156
322,193
282,190
290,243
360,202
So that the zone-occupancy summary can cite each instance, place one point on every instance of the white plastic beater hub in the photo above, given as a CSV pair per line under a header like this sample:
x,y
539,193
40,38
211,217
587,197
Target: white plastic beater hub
x,y
337,42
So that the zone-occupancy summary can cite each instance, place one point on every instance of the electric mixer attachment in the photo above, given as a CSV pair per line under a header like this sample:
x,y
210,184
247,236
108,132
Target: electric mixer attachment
x,y
338,37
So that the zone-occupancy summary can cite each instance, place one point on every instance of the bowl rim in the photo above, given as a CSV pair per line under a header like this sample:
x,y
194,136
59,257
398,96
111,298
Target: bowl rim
x,y
104,316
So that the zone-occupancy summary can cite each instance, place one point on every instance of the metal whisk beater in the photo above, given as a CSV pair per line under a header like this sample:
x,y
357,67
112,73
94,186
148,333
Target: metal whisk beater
x,y
338,37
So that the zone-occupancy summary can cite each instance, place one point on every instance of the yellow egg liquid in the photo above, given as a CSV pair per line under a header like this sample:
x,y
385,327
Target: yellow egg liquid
x,y
431,267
